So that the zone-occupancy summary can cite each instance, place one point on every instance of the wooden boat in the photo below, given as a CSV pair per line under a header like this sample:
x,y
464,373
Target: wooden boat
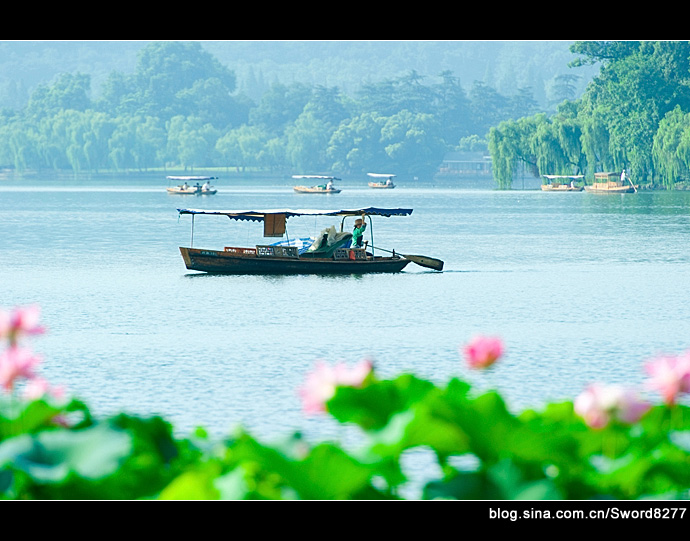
x,y
611,183
196,189
385,185
323,257
325,188
562,183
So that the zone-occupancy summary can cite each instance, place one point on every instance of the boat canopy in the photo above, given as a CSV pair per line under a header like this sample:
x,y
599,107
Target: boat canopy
x,y
574,177
380,175
260,215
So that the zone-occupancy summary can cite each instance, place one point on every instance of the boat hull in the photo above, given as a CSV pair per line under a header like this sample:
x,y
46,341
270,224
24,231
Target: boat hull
x,y
181,191
610,189
560,188
224,262
381,186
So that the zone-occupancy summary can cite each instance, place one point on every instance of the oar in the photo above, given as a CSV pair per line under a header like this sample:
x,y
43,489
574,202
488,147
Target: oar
x,y
421,260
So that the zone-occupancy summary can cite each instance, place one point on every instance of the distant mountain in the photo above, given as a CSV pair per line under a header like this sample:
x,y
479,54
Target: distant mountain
x,y
506,66
36,62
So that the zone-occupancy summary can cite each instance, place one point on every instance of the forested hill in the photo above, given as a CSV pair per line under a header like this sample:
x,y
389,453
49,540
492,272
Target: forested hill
x,y
300,106
505,66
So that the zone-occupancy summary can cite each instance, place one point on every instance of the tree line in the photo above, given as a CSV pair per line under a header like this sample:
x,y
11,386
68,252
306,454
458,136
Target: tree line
x,y
634,115
180,109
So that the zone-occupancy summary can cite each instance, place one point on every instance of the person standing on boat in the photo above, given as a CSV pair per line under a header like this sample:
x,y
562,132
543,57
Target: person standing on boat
x,y
329,186
358,232
623,175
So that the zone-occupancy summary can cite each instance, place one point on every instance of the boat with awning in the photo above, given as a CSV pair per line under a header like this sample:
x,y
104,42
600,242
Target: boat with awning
x,y
329,253
562,183
325,187
197,189
611,183
382,181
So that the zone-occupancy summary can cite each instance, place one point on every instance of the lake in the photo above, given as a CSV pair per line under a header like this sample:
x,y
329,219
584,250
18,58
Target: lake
x,y
581,287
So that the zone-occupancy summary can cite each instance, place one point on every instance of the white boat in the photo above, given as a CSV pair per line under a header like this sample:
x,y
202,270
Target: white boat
x,y
386,185
562,183
196,189
326,187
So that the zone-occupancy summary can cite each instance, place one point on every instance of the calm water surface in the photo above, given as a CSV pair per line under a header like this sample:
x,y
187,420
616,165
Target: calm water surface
x,y
582,287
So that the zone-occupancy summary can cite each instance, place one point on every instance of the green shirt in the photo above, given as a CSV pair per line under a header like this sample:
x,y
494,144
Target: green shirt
x,y
357,235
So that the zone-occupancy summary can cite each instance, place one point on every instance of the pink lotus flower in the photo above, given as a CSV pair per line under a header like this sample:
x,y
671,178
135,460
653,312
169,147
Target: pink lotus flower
x,y
599,404
38,388
320,384
21,320
16,363
670,375
483,351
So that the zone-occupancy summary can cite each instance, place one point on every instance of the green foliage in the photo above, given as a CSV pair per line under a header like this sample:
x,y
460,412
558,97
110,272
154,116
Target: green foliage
x,y
603,51
181,107
671,149
631,117
484,451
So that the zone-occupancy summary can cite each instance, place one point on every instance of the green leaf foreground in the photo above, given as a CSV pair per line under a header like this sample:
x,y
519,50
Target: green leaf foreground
x,y
484,451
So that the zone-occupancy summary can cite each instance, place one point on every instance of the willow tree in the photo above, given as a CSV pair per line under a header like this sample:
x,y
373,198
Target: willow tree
x,y
568,128
510,144
595,141
546,147
671,148
503,154
639,83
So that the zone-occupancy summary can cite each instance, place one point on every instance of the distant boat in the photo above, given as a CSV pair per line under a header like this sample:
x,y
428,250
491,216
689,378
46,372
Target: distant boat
x,y
320,188
197,189
184,190
562,183
611,183
387,184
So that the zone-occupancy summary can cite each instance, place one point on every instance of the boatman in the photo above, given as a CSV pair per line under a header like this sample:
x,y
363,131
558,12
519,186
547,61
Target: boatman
x,y
358,232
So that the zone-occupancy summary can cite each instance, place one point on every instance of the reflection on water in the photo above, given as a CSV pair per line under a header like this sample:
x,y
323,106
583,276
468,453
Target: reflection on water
x,y
581,286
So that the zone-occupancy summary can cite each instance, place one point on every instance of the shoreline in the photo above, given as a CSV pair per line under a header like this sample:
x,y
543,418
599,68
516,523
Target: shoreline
x,y
282,176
